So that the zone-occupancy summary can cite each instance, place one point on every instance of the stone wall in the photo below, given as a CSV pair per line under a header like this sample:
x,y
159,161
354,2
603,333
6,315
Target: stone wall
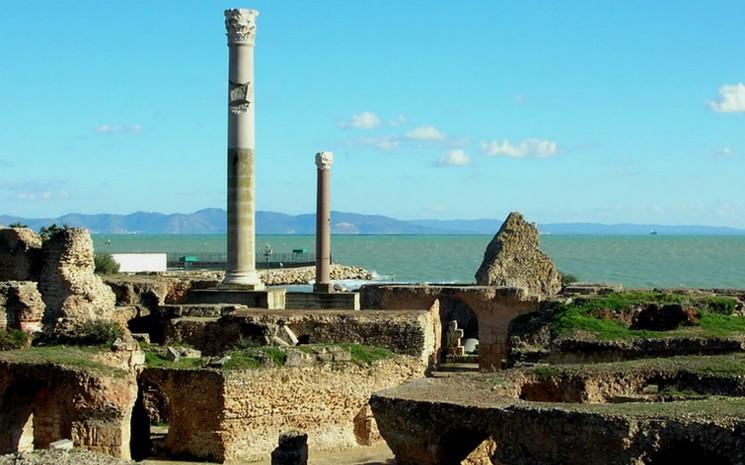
x,y
237,416
20,254
51,402
494,308
69,287
21,306
412,333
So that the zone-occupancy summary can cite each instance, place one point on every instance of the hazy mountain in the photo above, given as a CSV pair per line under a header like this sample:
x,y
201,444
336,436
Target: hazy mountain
x,y
214,220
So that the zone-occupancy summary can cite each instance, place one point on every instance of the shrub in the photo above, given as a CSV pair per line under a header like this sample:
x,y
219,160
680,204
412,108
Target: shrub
x,y
46,232
567,278
105,263
722,305
12,339
91,333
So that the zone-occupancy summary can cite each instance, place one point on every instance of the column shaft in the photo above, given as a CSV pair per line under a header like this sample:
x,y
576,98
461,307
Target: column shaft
x,y
323,222
241,266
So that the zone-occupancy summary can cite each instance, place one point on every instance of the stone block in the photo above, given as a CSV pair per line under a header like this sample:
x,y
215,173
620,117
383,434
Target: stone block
x,y
62,444
172,354
298,358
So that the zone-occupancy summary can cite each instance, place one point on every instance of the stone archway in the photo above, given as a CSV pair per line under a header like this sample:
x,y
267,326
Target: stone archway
x,y
17,421
453,309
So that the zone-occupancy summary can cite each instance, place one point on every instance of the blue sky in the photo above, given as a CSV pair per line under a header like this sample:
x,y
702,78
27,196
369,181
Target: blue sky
x,y
599,111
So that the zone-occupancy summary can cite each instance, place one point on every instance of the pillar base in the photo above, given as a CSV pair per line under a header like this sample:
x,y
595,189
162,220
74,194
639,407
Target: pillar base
x,y
323,288
248,281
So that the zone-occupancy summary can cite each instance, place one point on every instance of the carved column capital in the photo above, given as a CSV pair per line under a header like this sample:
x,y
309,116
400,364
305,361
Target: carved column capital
x,y
241,26
324,160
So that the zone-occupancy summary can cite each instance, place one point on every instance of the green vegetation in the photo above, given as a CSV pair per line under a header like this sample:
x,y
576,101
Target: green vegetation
x,y
105,263
155,359
567,278
12,339
91,333
247,355
18,225
46,232
545,372
715,313
73,357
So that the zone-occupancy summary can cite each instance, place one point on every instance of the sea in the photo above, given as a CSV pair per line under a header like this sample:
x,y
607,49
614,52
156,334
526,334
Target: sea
x,y
634,261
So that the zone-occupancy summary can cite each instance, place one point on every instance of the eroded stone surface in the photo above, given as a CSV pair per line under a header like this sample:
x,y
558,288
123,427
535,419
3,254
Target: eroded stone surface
x,y
92,408
70,288
514,259
20,254
242,413
21,306
537,417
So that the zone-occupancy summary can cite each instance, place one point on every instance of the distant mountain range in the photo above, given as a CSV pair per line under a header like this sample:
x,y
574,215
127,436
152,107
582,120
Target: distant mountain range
x,y
214,221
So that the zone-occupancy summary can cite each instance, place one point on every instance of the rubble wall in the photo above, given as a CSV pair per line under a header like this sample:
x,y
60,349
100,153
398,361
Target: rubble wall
x,y
49,402
321,401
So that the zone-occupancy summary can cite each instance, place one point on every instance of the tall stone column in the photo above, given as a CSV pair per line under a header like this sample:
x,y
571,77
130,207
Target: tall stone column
x,y
323,222
241,267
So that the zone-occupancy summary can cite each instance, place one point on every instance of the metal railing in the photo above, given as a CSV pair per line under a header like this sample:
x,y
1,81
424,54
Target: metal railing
x,y
217,261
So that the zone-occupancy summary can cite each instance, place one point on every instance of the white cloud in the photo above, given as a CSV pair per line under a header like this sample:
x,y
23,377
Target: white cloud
x,y
364,120
118,129
454,158
397,121
428,133
528,148
33,196
382,143
732,99
726,151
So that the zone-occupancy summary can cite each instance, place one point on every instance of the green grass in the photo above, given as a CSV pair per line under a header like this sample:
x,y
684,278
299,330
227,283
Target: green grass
x,y
79,357
715,316
365,355
154,359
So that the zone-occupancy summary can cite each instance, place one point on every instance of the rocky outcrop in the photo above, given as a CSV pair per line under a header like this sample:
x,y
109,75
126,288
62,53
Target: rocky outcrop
x,y
514,259
20,254
21,306
69,287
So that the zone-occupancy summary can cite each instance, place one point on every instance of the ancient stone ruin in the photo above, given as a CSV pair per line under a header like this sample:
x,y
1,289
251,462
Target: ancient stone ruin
x,y
70,288
21,306
514,259
20,254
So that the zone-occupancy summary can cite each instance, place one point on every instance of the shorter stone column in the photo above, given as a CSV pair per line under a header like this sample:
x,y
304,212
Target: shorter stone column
x,y
323,222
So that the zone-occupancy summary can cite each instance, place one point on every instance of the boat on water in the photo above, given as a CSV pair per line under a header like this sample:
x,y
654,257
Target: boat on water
x,y
653,233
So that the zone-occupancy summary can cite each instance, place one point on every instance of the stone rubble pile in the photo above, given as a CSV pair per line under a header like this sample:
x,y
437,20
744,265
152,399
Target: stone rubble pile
x,y
306,274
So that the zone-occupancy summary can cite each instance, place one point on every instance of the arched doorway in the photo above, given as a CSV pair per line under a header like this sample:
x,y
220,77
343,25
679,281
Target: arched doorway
x,y
460,331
